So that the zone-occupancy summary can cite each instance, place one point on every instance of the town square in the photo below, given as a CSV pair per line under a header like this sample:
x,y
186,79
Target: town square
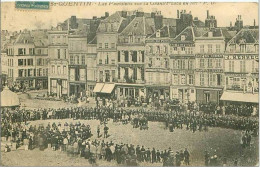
x,y
130,86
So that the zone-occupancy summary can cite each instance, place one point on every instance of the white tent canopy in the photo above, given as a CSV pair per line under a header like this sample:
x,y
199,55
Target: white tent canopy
x,y
239,97
9,98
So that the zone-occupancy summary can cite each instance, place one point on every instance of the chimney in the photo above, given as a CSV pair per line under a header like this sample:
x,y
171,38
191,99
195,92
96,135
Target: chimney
x,y
207,14
124,14
94,17
106,14
178,14
230,24
254,23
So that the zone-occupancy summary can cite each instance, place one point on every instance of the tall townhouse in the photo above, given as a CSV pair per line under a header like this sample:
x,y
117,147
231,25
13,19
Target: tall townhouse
x,y
157,64
22,61
182,65
209,57
241,67
41,58
107,36
131,57
77,63
58,65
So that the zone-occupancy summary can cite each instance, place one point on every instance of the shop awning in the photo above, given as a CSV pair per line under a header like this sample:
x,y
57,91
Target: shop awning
x,y
108,88
239,97
98,87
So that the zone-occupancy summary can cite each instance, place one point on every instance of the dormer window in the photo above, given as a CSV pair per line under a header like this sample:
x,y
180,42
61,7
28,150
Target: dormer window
x,y
158,33
183,37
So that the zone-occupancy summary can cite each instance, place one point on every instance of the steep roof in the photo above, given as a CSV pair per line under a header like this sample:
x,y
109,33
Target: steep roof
x,y
189,35
245,36
228,35
112,23
139,26
165,32
24,37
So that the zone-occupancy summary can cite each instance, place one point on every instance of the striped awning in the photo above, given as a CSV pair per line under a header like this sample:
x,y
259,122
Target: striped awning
x,y
108,88
239,97
98,87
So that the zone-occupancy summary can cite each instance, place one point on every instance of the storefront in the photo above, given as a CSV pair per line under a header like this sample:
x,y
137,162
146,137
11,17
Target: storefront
x,y
207,95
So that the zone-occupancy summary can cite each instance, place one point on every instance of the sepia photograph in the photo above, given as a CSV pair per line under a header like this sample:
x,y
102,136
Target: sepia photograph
x,y
129,84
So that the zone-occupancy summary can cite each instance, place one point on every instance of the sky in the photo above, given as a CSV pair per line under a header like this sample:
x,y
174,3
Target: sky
x,y
14,20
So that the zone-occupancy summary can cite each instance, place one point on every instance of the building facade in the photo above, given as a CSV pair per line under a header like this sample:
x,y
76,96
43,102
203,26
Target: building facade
x,y
242,63
182,64
58,64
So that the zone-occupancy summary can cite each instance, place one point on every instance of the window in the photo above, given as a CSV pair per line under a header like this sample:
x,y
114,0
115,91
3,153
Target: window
x,y
31,51
113,45
158,49
242,48
190,79
183,79
20,62
182,37
175,79
242,66
100,61
59,69
72,60
113,75
165,49
53,69
231,66
218,63
210,65
182,48
20,51
217,48
83,60
77,59
190,64
107,60
218,79
210,48
201,79
201,48
20,72
106,45
58,53
201,63
65,53
210,79
100,45
101,76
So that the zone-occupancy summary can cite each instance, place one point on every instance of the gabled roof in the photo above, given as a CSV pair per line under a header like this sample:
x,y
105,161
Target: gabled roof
x,y
139,26
41,43
165,32
188,33
112,23
228,35
246,36
24,37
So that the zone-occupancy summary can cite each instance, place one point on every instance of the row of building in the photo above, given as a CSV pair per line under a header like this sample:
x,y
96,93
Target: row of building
x,y
132,54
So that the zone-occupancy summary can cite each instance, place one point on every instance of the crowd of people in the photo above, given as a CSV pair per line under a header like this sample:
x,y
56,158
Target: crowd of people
x,y
192,119
76,140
